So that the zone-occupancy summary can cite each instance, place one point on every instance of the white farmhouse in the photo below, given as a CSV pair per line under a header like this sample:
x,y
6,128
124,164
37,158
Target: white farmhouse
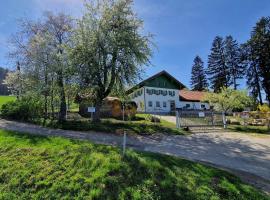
x,y
163,93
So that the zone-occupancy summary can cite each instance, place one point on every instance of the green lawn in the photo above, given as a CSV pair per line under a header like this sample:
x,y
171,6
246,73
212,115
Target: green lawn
x,y
141,125
5,99
33,167
249,129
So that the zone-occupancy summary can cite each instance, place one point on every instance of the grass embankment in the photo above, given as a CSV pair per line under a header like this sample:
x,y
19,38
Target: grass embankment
x,y
249,129
140,125
5,99
33,167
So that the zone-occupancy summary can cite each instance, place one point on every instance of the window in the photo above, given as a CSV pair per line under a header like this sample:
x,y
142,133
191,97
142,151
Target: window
x,y
150,104
202,106
164,104
187,105
165,93
157,104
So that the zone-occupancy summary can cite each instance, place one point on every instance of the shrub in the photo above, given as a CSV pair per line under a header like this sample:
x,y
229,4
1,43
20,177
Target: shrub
x,y
25,109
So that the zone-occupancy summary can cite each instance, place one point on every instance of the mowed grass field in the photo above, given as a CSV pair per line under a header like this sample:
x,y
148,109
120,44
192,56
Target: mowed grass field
x,y
33,167
5,99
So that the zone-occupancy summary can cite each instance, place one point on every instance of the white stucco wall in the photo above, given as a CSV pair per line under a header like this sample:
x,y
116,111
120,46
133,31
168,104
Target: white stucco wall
x,y
154,98
139,99
142,99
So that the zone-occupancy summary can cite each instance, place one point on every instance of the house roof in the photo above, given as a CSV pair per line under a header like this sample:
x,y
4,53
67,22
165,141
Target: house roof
x,y
165,73
186,95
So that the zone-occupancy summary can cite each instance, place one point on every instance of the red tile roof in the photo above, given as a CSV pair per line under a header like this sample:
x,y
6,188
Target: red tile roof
x,y
186,95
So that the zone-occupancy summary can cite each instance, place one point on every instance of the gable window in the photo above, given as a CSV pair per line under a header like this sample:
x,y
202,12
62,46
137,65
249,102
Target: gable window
x,y
164,104
150,104
157,104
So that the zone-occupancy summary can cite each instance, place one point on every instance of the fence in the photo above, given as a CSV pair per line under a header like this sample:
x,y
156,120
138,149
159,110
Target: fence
x,y
199,118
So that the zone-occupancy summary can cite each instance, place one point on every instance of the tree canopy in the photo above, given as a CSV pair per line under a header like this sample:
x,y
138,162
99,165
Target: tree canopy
x,y
109,48
228,99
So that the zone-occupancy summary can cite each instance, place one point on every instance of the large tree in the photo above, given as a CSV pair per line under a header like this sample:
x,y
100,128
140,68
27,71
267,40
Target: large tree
x,y
233,59
259,44
254,82
109,48
198,76
217,70
40,48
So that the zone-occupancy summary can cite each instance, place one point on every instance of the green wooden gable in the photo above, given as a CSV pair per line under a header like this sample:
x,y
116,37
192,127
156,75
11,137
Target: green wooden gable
x,y
161,80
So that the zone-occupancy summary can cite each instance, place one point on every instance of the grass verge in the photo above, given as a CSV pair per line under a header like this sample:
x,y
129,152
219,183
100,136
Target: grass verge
x,y
141,126
33,167
5,99
249,129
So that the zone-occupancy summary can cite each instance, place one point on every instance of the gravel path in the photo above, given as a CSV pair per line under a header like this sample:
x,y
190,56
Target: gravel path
x,y
247,156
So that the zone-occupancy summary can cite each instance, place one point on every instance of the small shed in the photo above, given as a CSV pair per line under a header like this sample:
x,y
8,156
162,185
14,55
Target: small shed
x,y
111,107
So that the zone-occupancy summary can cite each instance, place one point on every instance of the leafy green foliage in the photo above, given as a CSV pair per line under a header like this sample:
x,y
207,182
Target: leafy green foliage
x,y
25,109
34,167
228,99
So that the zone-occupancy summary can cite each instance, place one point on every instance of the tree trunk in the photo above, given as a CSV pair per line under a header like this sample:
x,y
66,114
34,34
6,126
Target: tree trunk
x,y
258,85
63,105
46,95
52,100
96,116
46,107
234,83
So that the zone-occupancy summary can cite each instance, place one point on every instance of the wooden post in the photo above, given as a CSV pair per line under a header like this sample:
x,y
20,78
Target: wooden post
x,y
177,119
224,120
268,121
124,143
123,107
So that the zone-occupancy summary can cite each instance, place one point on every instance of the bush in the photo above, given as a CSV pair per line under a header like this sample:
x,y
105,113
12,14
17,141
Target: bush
x,y
25,109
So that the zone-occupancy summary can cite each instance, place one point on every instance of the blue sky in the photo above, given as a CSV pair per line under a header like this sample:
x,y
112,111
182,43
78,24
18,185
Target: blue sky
x,y
182,28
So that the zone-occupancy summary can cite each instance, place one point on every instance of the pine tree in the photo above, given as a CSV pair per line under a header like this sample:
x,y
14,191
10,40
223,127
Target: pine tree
x,y
198,76
260,51
232,53
252,72
217,70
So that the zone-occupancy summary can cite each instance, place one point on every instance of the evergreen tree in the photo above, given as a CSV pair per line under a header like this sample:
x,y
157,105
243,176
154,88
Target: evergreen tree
x,y
198,76
233,59
260,48
252,73
217,69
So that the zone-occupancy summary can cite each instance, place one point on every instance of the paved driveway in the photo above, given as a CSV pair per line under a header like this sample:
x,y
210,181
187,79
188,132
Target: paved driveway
x,y
246,155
